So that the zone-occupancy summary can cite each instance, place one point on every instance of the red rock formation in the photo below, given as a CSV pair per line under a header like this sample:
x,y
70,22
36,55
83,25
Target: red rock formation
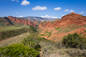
x,y
66,20
71,20
23,21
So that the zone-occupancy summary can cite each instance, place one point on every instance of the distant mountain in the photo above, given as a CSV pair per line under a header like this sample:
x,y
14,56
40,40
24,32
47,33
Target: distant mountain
x,y
37,18
30,20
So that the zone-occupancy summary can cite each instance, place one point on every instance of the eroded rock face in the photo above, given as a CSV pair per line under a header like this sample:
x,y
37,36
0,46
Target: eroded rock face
x,y
66,20
23,21
73,18
68,24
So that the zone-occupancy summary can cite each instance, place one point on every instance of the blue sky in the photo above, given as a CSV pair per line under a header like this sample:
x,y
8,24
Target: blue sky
x,y
44,8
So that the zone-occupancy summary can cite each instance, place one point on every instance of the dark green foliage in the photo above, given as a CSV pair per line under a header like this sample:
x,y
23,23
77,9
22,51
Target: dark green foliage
x,y
74,41
18,50
33,29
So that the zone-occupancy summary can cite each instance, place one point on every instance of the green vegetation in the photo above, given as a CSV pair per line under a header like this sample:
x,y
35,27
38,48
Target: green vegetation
x,y
32,41
40,44
74,41
12,31
11,28
57,28
33,29
18,50
73,45
29,47
48,33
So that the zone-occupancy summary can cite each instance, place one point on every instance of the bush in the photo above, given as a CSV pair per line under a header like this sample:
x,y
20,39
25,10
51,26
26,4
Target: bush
x,y
32,41
18,50
33,29
74,41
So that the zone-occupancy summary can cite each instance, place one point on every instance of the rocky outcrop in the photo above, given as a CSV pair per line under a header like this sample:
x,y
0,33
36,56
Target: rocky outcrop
x,y
68,24
23,21
68,19
72,18
5,21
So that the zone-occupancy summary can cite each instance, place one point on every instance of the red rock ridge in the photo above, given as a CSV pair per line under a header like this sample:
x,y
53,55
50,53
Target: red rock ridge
x,y
66,20
23,21
75,21
72,18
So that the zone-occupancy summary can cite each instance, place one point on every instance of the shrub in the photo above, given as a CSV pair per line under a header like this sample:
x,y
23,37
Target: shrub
x,y
74,41
33,29
18,50
32,41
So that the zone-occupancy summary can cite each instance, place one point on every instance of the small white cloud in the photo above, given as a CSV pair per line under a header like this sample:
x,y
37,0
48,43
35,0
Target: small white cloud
x,y
58,8
82,12
66,10
39,8
21,16
71,10
25,2
47,16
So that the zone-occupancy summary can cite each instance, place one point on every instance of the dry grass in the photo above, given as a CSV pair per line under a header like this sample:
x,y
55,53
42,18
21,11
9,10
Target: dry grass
x,y
15,39
9,28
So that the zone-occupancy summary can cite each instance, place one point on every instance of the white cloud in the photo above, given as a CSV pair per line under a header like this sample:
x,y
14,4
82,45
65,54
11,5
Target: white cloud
x,y
71,10
21,16
66,10
39,8
58,8
25,2
47,16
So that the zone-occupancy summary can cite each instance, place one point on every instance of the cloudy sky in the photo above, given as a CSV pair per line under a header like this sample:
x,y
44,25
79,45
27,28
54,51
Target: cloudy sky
x,y
43,8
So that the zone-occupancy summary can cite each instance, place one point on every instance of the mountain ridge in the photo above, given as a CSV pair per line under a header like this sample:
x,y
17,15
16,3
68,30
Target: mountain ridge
x,y
68,24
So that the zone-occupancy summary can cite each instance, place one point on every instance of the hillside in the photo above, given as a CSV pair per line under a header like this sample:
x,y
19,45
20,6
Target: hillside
x,y
68,24
73,18
30,20
5,21
16,39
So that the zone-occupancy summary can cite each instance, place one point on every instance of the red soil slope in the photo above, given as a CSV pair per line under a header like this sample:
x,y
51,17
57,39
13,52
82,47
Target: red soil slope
x,y
73,18
68,24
